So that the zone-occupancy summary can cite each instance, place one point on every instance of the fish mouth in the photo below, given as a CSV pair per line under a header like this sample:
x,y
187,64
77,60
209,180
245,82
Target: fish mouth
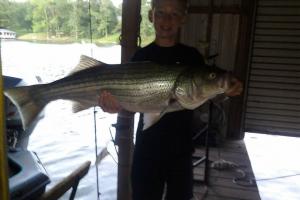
x,y
225,81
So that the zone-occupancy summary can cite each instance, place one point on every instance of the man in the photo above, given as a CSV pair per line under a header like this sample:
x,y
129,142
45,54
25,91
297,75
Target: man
x,y
162,159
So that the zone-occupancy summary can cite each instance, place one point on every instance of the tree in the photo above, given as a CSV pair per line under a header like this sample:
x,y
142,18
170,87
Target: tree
x,y
146,28
60,17
5,13
40,16
105,16
79,20
21,18
14,16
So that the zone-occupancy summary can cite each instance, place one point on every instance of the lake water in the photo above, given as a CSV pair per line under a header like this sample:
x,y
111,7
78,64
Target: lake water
x,y
63,140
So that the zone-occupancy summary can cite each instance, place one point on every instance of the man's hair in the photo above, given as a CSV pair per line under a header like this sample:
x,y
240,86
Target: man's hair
x,y
184,3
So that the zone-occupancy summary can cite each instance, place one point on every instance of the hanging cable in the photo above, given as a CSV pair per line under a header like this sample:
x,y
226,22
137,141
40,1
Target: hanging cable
x,y
91,30
94,109
114,141
115,146
96,152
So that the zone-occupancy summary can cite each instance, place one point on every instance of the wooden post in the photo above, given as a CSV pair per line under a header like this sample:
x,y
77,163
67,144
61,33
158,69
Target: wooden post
x,y
125,122
124,140
131,18
236,117
4,194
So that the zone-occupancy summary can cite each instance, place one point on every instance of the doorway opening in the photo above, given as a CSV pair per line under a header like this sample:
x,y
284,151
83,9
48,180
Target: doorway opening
x,y
276,165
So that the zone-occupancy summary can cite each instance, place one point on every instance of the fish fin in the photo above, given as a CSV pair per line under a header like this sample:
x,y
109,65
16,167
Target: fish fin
x,y
150,119
192,105
83,104
79,106
28,108
187,101
85,63
101,156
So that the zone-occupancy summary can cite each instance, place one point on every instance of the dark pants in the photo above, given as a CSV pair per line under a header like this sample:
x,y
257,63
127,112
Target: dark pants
x,y
155,169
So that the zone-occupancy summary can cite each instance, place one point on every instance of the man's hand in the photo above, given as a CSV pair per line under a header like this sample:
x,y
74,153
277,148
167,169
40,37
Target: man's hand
x,y
109,103
235,89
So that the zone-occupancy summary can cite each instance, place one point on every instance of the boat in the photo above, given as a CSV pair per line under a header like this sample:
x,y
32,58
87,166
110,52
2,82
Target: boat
x,y
7,34
27,175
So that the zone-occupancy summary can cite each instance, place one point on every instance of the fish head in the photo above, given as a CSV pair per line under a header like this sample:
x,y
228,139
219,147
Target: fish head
x,y
210,81
197,85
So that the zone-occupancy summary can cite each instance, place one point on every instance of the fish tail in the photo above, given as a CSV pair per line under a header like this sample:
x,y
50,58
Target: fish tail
x,y
24,101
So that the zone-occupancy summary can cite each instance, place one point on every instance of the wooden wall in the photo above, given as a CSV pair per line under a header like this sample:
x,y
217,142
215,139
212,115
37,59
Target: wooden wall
x,y
223,27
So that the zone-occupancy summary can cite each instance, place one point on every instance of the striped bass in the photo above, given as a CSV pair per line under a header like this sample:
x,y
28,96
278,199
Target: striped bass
x,y
139,87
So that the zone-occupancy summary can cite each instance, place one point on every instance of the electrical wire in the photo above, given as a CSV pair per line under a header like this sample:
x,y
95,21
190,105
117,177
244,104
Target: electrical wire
x,y
277,177
243,179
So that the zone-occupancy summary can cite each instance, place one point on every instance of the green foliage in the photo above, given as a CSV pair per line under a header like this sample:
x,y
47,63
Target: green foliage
x,y
51,17
105,17
146,29
15,16
111,39
61,19
22,19
79,20
5,7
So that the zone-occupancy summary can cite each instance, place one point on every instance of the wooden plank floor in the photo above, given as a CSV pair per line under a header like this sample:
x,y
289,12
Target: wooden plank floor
x,y
221,185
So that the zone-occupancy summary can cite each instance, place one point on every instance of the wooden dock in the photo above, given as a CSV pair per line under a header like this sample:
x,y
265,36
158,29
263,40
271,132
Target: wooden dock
x,y
230,183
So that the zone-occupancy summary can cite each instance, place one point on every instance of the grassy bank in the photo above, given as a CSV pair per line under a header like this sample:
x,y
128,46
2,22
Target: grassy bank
x,y
43,38
104,41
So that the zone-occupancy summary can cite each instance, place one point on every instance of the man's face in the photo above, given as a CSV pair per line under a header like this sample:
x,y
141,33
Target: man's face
x,y
167,17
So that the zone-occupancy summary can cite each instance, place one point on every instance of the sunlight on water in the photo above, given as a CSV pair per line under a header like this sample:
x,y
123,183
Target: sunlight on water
x,y
51,61
64,141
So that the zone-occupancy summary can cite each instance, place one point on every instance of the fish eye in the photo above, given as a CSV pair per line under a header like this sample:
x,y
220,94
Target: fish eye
x,y
212,76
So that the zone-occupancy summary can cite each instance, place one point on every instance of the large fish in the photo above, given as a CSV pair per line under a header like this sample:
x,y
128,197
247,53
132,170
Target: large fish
x,y
139,87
